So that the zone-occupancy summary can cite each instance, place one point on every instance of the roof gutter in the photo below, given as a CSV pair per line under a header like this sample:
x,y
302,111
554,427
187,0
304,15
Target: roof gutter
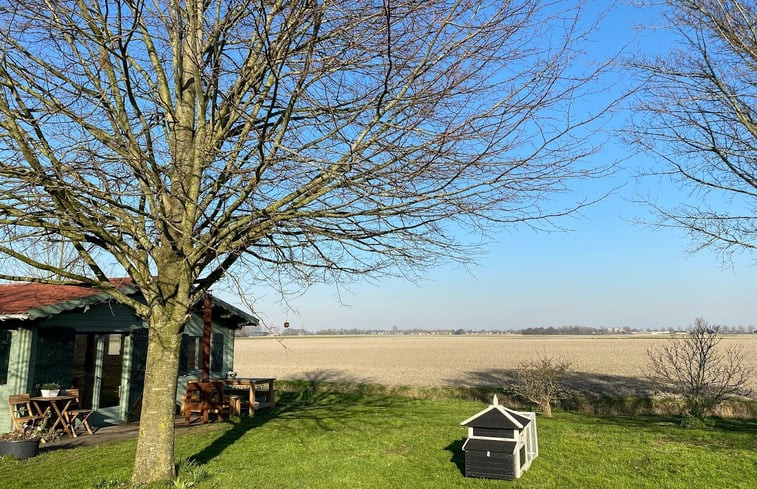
x,y
14,317
55,309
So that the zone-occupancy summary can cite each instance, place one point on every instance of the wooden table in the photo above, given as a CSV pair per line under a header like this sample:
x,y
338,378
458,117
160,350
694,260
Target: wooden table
x,y
253,385
58,406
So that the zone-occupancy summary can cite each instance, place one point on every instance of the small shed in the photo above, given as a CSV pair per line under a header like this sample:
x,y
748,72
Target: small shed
x,y
501,442
77,335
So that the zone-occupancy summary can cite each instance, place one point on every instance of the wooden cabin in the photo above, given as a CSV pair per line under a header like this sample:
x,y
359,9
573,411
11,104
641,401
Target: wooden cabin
x,y
501,443
78,336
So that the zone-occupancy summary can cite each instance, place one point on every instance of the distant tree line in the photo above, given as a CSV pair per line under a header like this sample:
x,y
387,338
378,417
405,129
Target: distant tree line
x,y
550,330
577,330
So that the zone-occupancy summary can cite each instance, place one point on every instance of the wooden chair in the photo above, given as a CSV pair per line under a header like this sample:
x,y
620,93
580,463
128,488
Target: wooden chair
x,y
20,407
76,413
204,398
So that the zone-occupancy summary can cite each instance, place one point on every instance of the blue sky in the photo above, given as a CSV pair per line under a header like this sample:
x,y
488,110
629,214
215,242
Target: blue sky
x,y
605,271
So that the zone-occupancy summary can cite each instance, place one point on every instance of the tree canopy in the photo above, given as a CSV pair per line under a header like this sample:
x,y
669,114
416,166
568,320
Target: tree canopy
x,y
698,116
321,136
182,141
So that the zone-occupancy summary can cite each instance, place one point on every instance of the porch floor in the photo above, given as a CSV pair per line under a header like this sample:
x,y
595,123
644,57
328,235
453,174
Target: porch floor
x,y
117,432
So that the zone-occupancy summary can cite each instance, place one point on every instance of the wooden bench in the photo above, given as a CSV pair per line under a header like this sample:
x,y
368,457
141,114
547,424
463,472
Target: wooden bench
x,y
204,398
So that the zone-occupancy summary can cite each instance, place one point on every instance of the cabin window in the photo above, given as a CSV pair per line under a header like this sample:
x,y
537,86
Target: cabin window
x,y
115,344
188,355
216,355
5,355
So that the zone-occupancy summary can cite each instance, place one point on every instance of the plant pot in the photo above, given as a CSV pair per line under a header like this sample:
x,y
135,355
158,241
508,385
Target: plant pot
x,y
20,449
49,392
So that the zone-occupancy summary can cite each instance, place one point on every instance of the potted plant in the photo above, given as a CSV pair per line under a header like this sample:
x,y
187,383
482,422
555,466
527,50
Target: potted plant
x,y
24,442
50,389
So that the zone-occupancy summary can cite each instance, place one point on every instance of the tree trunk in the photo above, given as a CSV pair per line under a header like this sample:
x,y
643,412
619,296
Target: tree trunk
x,y
545,407
155,443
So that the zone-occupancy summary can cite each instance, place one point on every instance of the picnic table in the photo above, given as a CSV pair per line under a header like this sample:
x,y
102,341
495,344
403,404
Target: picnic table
x,y
228,395
264,386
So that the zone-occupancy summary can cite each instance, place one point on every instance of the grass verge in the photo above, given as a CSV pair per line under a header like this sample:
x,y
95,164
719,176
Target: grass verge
x,y
576,402
323,439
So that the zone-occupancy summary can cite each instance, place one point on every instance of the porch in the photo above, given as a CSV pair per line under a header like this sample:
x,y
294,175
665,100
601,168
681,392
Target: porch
x,y
77,336
120,432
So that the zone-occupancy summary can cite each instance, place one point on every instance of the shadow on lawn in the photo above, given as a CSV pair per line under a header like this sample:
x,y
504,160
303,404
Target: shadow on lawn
x,y
241,426
668,422
457,455
327,396
613,395
579,382
315,400
737,425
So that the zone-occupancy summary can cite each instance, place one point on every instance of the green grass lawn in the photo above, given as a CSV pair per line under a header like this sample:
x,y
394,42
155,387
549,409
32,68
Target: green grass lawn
x,y
332,440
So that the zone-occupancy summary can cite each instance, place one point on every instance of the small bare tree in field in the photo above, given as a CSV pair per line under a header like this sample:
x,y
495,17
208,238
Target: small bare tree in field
x,y
693,368
541,381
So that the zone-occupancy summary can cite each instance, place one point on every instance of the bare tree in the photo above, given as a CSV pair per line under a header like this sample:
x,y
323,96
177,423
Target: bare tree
x,y
541,381
699,120
183,142
693,368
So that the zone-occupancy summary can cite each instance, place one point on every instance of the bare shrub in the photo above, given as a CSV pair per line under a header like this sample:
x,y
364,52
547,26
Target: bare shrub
x,y
693,368
541,381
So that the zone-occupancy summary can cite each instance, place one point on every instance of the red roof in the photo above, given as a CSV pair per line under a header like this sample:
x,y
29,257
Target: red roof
x,y
20,298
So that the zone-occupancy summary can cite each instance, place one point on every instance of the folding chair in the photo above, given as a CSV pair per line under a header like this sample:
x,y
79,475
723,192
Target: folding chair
x,y
76,413
20,407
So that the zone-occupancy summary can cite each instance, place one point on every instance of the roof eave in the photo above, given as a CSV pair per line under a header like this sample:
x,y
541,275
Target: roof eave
x,y
14,317
249,318
503,410
57,308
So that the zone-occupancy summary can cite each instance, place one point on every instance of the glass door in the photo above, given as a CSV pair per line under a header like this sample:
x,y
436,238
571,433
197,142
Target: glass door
x,y
110,373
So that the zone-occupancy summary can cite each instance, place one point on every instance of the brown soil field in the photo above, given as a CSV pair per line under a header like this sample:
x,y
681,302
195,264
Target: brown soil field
x,y
610,365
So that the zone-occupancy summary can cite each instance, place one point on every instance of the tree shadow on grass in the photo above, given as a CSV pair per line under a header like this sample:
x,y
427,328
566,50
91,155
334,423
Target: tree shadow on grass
x,y
736,425
315,400
613,395
667,422
241,426
579,382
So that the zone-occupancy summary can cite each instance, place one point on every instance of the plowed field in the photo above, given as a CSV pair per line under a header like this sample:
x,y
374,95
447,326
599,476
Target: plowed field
x,y
606,364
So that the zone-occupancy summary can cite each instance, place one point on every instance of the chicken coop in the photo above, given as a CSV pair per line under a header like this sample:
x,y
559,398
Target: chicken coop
x,y
501,442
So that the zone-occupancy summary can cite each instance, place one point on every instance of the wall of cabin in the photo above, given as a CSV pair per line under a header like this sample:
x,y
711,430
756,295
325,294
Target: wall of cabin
x,y
109,338
190,360
18,346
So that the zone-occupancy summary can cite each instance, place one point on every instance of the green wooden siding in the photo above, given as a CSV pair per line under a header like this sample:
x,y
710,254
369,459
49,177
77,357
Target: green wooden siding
x,y
100,318
17,381
42,351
